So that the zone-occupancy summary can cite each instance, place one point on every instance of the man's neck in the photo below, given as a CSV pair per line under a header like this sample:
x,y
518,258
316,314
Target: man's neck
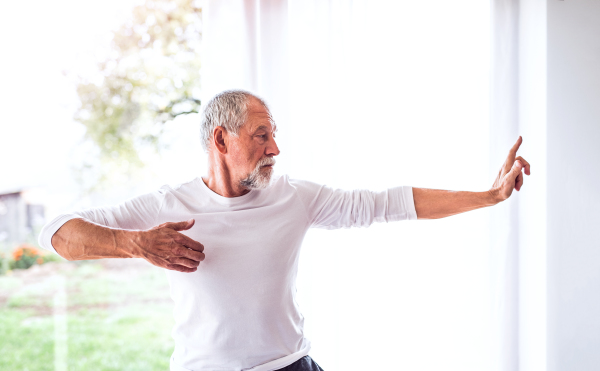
x,y
220,181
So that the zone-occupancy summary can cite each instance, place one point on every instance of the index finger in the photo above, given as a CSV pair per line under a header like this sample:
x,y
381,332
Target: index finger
x,y
510,159
515,148
190,243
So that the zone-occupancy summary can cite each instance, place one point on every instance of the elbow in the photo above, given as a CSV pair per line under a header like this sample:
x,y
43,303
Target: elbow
x,y
65,256
54,245
60,249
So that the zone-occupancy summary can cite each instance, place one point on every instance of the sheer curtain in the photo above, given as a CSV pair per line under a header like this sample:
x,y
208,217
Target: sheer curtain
x,y
504,234
375,94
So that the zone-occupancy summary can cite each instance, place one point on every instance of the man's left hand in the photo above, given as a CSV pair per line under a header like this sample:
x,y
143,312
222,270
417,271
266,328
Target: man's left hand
x,y
510,175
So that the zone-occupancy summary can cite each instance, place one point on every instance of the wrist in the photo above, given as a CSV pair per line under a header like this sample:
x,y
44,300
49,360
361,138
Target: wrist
x,y
493,196
128,242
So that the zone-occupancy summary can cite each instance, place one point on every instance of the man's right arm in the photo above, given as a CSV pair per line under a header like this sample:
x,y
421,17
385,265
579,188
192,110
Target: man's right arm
x,y
163,245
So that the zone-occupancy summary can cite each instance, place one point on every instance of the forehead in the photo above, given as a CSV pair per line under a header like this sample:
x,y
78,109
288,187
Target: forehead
x,y
259,117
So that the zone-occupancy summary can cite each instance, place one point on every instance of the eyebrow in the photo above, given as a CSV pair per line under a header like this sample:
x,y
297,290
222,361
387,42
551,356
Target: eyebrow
x,y
266,128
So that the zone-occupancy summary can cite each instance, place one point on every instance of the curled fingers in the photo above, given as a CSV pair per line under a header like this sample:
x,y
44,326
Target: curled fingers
x,y
525,165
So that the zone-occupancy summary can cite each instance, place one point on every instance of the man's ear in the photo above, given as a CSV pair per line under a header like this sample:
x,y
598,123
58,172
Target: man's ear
x,y
220,137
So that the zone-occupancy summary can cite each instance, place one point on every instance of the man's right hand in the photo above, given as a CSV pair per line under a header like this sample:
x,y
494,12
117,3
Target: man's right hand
x,y
165,247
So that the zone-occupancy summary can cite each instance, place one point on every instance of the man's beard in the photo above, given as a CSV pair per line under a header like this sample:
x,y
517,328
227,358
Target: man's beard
x,y
259,178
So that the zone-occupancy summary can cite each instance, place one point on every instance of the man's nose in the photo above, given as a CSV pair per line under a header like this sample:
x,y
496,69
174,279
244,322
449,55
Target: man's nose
x,y
272,149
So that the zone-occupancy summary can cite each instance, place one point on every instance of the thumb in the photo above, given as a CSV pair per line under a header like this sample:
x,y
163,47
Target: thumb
x,y
181,226
515,170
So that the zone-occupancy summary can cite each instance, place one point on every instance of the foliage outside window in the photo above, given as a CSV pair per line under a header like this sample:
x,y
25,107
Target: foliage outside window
x,y
150,76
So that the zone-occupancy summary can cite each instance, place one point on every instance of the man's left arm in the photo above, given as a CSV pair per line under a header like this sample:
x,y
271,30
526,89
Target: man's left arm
x,y
437,203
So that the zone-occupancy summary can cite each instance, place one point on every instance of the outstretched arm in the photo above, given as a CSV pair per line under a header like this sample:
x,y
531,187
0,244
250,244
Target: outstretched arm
x,y
127,230
162,245
437,203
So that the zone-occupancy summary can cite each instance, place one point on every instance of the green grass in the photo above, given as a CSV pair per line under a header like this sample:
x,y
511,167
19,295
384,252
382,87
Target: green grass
x,y
26,342
118,318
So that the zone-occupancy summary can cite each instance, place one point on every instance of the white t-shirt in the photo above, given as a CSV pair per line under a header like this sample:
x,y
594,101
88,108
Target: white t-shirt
x,y
238,310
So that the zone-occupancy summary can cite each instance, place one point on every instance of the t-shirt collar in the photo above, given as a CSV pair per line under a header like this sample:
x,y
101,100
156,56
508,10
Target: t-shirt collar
x,y
225,200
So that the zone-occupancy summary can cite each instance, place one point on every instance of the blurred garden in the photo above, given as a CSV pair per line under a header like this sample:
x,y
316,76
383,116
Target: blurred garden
x,y
120,84
23,257
115,315
112,314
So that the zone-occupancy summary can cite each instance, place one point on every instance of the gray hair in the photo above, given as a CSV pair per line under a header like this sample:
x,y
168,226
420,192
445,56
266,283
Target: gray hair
x,y
228,109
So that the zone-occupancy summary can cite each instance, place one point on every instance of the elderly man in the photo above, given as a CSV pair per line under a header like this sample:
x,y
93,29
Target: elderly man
x,y
230,241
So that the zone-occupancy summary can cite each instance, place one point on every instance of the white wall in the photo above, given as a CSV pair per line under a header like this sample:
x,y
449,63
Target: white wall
x,y
573,140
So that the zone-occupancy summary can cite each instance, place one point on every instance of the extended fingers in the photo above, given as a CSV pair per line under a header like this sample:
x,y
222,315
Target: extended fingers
x,y
515,147
188,242
184,262
180,268
164,247
183,251
510,159
193,255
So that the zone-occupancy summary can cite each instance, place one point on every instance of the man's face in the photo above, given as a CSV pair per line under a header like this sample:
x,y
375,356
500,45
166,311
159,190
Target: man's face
x,y
253,150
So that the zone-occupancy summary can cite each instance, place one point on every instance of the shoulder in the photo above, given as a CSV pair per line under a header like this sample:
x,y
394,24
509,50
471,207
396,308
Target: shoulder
x,y
189,186
299,186
179,193
284,181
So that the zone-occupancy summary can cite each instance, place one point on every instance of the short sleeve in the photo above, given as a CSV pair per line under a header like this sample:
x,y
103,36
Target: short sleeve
x,y
335,208
136,213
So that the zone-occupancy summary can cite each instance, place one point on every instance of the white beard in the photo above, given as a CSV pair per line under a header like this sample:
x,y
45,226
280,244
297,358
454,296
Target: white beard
x,y
260,177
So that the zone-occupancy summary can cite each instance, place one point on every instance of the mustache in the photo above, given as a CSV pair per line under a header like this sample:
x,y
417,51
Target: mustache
x,y
265,161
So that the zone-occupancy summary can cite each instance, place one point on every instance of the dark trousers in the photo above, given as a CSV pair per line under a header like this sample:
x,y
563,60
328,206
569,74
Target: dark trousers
x,y
303,364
